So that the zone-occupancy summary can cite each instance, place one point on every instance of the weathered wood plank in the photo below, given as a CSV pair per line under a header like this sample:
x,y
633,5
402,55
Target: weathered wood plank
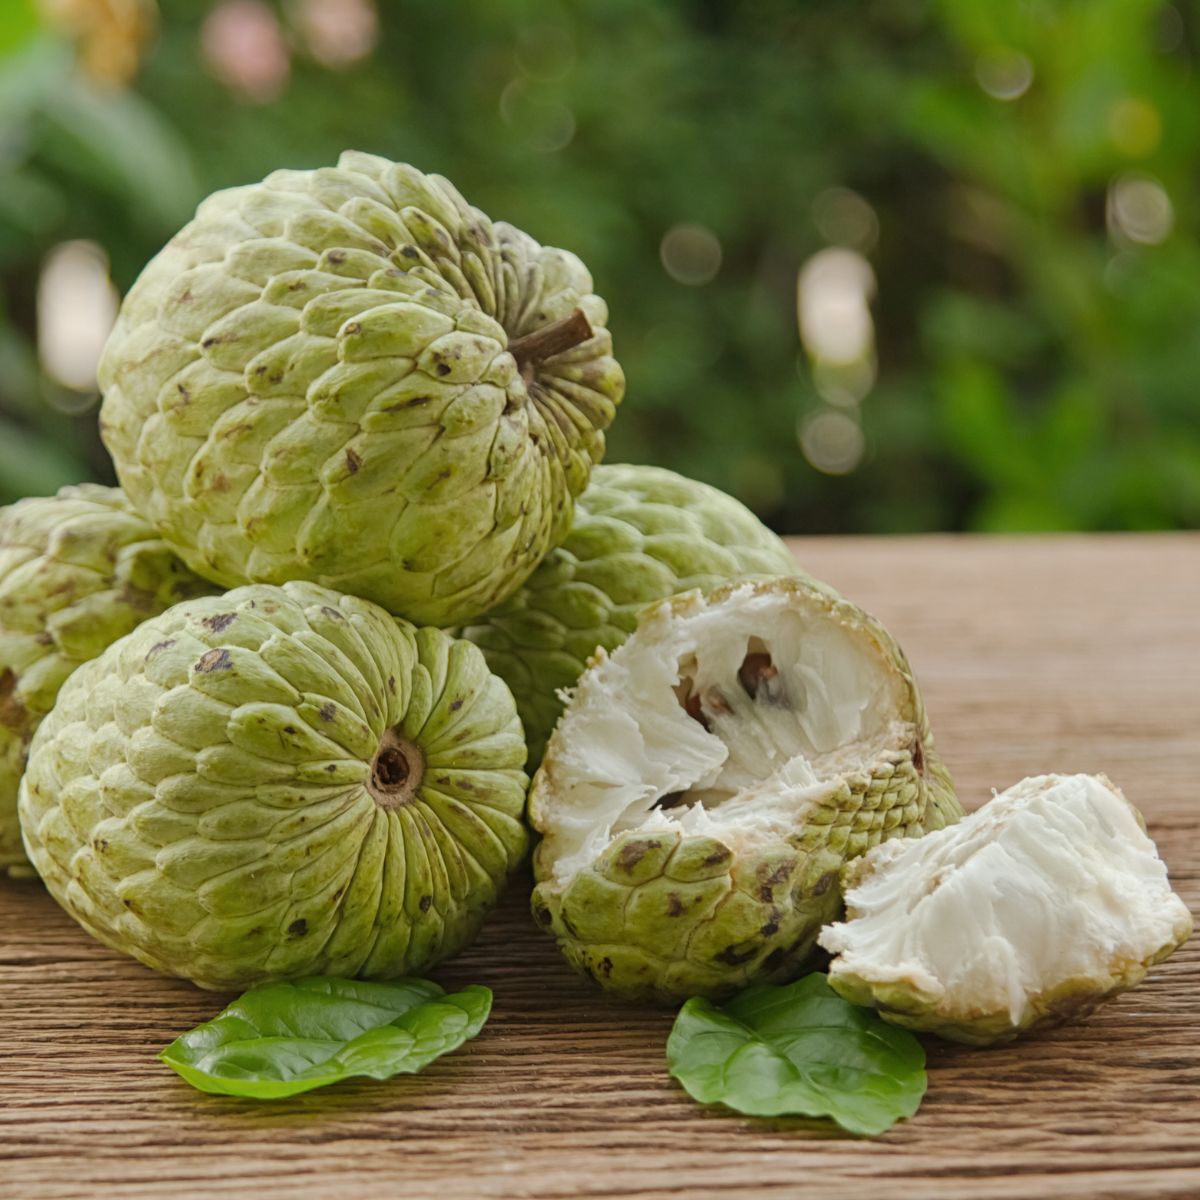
x,y
1035,654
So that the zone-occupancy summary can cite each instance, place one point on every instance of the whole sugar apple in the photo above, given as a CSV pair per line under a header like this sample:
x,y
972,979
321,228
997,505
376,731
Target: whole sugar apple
x,y
277,782
1042,904
77,571
351,376
711,776
640,534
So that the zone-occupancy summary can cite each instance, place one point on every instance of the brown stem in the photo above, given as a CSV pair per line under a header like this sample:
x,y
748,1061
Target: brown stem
x,y
551,339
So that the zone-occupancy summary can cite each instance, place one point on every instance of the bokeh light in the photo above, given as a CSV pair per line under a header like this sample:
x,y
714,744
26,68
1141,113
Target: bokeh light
x,y
832,441
1139,210
844,218
244,48
76,308
1004,74
338,32
690,253
834,293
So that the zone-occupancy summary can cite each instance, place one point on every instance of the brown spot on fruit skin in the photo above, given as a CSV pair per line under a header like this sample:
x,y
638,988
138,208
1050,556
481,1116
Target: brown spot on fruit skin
x,y
443,368
214,660
918,757
426,902
298,928
327,711
719,855
674,905
219,621
455,705
769,881
606,967
633,852
353,461
824,883
734,957
13,714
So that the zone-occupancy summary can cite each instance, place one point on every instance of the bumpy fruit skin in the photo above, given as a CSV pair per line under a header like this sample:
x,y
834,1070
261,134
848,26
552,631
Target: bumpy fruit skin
x,y
214,794
640,534
77,571
312,381
661,916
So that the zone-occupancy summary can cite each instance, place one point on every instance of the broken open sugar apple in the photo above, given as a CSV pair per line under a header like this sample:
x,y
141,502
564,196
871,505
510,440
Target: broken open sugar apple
x,y
1032,910
640,534
351,376
709,778
277,782
77,571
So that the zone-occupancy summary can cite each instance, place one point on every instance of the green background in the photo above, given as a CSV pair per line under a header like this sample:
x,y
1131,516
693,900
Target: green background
x,y
1036,367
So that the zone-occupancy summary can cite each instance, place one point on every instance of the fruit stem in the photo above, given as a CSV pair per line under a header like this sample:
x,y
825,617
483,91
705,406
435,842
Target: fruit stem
x,y
551,339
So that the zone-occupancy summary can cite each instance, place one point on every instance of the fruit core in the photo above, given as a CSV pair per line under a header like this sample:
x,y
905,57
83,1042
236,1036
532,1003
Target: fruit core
x,y
728,718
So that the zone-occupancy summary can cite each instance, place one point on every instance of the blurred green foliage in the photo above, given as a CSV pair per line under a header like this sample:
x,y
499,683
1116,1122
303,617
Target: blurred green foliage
x,y
1036,358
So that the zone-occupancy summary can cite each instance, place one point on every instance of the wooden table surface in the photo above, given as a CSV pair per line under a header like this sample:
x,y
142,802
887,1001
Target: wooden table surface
x,y
1047,654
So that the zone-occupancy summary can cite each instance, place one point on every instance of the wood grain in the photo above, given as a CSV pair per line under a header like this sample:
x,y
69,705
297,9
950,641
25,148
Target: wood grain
x,y
1058,653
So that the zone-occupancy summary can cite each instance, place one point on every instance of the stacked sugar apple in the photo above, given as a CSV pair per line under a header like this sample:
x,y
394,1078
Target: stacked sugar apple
x,y
375,416
366,408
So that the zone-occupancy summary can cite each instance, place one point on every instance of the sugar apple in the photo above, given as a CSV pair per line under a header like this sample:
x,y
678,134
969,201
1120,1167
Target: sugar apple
x,y
640,534
276,782
351,376
709,778
1042,904
77,571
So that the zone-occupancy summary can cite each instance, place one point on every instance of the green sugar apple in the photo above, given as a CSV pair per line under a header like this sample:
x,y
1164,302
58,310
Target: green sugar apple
x,y
1037,907
640,534
277,782
351,376
77,571
709,779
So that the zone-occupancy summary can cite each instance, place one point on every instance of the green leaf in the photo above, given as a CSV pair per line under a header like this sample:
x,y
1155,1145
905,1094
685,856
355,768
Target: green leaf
x,y
281,1039
798,1050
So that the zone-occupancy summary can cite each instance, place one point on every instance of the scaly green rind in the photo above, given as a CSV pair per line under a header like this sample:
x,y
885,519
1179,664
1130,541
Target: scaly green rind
x,y
198,797
312,381
77,571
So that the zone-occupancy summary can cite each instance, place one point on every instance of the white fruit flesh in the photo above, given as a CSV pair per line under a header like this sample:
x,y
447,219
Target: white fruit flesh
x,y
757,748
1050,882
